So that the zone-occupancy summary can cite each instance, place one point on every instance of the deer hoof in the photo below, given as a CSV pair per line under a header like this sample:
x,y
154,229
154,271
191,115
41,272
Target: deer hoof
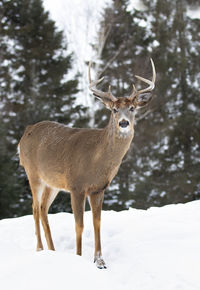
x,y
100,263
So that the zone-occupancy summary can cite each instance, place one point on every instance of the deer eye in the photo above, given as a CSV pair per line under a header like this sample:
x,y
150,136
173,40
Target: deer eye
x,y
132,109
115,111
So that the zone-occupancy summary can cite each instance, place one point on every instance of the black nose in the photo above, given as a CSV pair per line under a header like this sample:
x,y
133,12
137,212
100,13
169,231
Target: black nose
x,y
123,123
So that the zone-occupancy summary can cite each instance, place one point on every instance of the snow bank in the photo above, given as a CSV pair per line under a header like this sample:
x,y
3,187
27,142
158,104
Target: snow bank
x,y
154,249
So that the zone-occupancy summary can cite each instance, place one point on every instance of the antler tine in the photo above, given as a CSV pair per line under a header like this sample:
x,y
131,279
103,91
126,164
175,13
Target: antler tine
x,y
154,71
150,83
89,74
96,92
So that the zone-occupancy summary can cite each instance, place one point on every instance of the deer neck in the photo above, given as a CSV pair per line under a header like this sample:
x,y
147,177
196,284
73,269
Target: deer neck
x,y
116,143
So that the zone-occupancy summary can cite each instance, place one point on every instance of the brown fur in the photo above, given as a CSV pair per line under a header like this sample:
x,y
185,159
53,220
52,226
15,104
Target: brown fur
x,y
80,161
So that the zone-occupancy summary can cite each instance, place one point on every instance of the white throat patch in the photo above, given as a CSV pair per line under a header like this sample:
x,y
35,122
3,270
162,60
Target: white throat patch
x,y
125,130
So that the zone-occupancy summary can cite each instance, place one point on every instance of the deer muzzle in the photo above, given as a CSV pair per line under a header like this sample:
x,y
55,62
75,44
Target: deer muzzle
x,y
124,123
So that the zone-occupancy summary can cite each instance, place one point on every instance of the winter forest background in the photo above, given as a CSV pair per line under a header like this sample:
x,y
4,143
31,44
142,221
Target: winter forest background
x,y
41,78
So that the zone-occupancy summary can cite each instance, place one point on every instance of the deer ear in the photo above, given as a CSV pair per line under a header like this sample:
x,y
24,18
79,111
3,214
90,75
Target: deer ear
x,y
143,100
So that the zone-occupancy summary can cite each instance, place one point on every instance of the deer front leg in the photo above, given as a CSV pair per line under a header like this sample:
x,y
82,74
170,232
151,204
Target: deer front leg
x,y
78,207
96,200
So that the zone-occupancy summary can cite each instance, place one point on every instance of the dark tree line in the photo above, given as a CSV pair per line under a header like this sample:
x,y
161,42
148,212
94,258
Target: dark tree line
x,y
163,163
33,71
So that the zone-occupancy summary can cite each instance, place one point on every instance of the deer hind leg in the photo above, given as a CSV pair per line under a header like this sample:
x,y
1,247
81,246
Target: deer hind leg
x,y
47,198
96,201
36,215
36,188
78,207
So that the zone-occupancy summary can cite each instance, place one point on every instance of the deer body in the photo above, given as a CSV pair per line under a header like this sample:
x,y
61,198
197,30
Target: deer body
x,y
80,161
73,159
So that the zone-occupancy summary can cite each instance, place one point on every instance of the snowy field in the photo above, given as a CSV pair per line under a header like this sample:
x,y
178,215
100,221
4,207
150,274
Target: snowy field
x,y
156,249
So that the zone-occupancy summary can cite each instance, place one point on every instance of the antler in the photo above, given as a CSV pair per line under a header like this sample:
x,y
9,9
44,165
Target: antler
x,y
150,83
96,92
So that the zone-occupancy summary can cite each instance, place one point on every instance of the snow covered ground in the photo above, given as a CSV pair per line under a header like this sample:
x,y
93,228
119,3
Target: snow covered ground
x,y
152,249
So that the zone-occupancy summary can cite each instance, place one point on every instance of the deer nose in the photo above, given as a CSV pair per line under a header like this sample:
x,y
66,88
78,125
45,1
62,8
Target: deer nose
x,y
124,123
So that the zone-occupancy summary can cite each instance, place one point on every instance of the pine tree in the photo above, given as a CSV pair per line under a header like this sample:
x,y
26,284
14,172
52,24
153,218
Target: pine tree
x,y
176,179
161,166
35,86
123,57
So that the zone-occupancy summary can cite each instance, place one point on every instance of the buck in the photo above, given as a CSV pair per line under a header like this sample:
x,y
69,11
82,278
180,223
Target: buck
x,y
80,161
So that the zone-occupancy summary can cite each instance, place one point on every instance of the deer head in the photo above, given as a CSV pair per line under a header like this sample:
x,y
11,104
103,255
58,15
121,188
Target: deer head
x,y
124,109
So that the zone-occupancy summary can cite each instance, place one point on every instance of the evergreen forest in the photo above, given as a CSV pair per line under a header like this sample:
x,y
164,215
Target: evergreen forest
x,y
36,83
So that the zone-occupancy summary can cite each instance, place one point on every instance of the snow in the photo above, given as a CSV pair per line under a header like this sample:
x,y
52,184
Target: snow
x,y
193,12
80,22
152,249
136,4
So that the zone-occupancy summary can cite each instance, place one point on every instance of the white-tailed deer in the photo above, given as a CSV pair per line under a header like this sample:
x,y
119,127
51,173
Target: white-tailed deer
x,y
80,161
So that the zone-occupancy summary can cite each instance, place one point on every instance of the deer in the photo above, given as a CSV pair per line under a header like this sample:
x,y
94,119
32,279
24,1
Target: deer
x,y
81,161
